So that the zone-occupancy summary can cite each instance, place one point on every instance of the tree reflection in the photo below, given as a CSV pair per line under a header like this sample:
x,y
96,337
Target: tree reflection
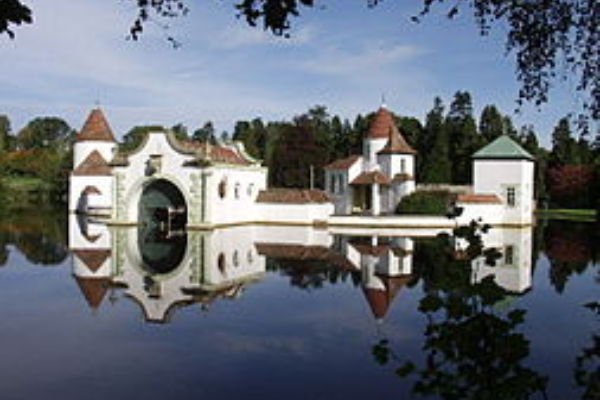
x,y
472,349
38,234
587,363
570,247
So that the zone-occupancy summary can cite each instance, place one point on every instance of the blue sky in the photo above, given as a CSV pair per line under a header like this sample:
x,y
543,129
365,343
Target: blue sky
x,y
344,56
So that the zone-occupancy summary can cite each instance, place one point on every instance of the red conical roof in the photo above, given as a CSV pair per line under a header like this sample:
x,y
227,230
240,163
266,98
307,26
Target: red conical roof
x,y
96,128
383,126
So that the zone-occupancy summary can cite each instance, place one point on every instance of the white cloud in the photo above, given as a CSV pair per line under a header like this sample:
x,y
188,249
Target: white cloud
x,y
240,35
370,58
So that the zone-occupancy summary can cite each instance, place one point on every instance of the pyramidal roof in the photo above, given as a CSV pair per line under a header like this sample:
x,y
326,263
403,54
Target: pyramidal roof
x,y
383,126
94,164
503,148
93,289
96,128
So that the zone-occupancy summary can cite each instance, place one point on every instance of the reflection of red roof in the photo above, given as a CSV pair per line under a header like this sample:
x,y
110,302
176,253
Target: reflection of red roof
x,y
94,164
343,163
96,128
292,196
477,198
93,289
381,300
366,249
299,252
369,178
93,259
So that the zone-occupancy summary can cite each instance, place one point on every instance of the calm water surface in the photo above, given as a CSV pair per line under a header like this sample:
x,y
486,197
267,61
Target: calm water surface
x,y
293,313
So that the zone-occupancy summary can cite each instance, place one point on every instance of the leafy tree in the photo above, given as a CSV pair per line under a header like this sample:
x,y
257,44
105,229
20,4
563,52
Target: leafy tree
x,y
4,133
13,12
571,185
437,167
46,132
136,135
491,123
296,152
462,136
564,147
473,349
412,129
319,118
205,134
425,203
181,132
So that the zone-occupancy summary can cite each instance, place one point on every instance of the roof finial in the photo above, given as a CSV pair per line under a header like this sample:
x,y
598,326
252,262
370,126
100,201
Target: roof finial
x,y
97,103
383,105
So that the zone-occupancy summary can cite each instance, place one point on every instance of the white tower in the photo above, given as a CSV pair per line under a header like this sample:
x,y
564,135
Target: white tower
x,y
90,188
504,169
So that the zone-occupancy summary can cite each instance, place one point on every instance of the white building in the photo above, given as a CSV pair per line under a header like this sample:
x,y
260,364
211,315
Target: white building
x,y
503,194
180,184
374,182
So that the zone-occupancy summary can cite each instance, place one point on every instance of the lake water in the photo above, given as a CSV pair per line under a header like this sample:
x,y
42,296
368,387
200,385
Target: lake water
x,y
296,313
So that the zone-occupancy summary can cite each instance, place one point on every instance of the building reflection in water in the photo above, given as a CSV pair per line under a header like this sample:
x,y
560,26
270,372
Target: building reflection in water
x,y
163,271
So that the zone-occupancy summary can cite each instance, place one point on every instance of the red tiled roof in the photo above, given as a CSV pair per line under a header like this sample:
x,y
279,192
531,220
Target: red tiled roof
x,y
93,259
93,289
216,153
96,128
369,178
401,178
477,198
396,144
381,124
292,196
343,163
94,164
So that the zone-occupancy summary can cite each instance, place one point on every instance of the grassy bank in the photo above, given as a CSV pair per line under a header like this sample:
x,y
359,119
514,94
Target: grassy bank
x,y
567,214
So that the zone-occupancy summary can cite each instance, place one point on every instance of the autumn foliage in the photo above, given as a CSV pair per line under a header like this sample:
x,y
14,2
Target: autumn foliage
x,y
572,185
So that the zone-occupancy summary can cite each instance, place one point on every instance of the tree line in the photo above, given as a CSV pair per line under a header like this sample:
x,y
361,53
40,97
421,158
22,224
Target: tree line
x,y
297,150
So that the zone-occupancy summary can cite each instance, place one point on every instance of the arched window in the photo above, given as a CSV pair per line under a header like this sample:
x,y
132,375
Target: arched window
x,y
221,262
237,190
223,189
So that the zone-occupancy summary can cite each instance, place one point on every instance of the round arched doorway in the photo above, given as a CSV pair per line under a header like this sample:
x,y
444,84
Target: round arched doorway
x,y
162,216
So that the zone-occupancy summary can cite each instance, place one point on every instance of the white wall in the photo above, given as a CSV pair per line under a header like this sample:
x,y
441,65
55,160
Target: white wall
x,y
242,188
493,177
90,203
230,209
305,214
370,149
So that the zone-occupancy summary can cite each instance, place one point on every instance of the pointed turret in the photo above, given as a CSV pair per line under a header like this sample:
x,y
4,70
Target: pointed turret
x,y
91,179
96,128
